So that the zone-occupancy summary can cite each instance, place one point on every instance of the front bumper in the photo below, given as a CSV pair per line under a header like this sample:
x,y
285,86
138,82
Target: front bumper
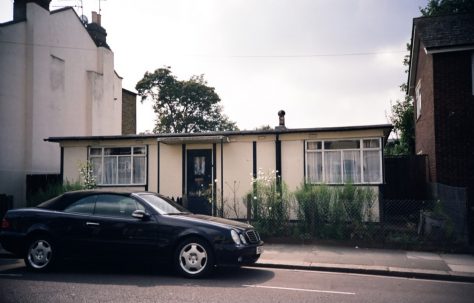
x,y
233,254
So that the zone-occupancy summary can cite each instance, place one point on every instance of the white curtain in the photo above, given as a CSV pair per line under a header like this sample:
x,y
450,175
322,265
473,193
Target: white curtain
x,y
372,170
110,170
97,169
139,167
124,170
351,166
314,167
332,167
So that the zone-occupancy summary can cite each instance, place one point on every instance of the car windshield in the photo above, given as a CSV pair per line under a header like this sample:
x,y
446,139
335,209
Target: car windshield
x,y
163,205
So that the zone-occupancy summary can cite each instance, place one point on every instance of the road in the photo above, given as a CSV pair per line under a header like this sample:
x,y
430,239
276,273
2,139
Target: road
x,y
89,282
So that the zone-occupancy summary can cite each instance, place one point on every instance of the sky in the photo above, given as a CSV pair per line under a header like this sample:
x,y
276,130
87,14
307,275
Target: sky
x,y
325,62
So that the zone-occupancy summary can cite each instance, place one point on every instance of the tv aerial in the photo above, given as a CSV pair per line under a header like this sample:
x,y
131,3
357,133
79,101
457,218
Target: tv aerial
x,y
84,19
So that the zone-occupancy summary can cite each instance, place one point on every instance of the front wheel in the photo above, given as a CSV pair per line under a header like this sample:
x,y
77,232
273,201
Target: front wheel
x,y
194,258
41,254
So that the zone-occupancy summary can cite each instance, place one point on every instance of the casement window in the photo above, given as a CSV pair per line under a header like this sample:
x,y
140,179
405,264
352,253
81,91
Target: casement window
x,y
119,165
418,99
357,161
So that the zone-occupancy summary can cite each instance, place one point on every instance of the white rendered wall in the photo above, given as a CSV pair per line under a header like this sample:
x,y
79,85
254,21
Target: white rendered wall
x,y
45,91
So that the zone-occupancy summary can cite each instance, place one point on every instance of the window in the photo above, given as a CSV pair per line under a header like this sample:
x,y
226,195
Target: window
x,y
356,161
119,165
82,206
116,206
418,99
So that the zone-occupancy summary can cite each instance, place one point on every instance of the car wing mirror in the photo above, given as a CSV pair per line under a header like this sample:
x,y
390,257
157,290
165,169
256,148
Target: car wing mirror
x,y
141,214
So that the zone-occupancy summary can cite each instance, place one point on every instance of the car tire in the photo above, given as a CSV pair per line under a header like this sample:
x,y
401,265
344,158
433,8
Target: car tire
x,y
194,258
41,254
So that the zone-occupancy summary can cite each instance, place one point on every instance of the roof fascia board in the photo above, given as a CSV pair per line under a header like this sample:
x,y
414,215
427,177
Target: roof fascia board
x,y
448,49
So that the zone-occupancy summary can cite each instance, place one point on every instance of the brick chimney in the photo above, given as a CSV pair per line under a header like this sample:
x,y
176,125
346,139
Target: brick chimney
x,y
96,31
19,8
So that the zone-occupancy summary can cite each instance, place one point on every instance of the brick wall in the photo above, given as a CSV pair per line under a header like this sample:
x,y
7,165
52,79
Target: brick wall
x,y
454,107
424,126
129,112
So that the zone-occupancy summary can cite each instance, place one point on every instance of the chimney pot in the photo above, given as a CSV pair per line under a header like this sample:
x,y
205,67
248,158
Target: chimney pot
x,y
96,18
281,115
19,7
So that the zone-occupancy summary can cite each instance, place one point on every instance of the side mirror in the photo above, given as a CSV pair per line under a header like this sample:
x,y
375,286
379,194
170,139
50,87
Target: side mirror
x,y
141,214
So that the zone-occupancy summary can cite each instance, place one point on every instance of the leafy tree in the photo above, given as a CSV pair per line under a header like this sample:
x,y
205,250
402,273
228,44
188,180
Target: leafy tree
x,y
447,7
187,106
403,120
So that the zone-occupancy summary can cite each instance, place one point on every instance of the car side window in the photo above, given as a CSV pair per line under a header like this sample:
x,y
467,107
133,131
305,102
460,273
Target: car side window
x,y
115,206
82,206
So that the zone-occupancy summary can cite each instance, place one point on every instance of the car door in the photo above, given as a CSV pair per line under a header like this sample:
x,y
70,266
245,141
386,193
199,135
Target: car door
x,y
76,234
117,232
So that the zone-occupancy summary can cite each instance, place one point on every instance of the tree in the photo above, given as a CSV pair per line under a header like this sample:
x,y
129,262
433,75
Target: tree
x,y
187,106
447,7
403,120
402,115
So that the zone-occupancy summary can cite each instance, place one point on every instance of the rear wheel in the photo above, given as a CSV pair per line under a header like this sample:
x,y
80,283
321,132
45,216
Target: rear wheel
x,y
194,258
41,254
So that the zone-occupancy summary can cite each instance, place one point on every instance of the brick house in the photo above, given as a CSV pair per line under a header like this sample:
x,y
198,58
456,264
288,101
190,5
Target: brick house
x,y
441,82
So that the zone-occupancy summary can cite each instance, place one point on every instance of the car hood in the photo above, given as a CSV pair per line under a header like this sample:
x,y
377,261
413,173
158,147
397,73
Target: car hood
x,y
216,221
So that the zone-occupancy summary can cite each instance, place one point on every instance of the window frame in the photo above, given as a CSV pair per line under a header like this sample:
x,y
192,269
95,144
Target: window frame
x,y
320,148
132,156
418,99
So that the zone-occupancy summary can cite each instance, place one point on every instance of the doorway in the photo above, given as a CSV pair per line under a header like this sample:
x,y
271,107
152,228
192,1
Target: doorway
x,y
199,181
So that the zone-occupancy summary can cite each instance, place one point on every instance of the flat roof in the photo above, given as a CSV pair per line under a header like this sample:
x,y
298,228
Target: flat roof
x,y
387,128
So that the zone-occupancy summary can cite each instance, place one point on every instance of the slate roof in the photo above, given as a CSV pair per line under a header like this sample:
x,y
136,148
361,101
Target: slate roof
x,y
445,31
439,34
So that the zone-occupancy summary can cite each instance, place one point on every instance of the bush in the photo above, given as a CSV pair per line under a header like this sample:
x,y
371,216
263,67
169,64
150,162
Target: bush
x,y
334,212
270,204
52,191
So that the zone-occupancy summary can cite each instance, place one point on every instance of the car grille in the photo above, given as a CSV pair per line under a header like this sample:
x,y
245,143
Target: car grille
x,y
253,236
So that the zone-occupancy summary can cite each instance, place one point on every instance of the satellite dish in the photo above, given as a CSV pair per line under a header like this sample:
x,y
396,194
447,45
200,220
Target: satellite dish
x,y
84,19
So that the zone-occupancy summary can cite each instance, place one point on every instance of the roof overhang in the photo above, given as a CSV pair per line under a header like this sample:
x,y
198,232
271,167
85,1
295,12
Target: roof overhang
x,y
194,140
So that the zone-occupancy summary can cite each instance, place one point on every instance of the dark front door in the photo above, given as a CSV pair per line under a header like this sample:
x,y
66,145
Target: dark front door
x,y
199,181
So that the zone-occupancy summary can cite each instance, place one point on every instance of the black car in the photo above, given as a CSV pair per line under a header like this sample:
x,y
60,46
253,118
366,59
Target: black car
x,y
110,224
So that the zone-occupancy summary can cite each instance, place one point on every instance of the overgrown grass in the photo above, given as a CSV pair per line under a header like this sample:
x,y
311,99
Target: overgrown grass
x,y
52,191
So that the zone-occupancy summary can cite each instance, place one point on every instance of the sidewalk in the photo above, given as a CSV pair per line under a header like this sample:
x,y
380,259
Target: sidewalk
x,y
410,264
399,263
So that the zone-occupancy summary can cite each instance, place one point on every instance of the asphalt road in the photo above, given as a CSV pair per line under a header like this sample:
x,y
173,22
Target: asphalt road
x,y
97,282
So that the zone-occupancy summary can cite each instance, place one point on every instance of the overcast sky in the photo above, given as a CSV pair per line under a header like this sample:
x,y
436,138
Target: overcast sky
x,y
325,62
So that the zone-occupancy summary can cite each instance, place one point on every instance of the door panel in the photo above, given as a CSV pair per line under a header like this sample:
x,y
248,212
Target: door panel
x,y
116,232
199,180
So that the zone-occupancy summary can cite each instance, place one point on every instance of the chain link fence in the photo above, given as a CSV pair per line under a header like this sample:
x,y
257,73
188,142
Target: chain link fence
x,y
358,214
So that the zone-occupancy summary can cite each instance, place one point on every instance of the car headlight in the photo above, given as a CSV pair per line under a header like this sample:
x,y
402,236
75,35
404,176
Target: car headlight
x,y
235,237
242,239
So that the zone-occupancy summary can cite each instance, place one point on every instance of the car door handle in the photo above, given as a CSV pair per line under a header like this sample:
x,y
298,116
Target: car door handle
x,y
92,224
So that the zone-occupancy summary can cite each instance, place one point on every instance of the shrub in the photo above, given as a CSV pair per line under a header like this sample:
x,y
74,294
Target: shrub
x,y
335,212
270,204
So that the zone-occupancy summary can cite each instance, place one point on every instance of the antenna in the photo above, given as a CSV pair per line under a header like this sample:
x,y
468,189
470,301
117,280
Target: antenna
x,y
84,20
99,6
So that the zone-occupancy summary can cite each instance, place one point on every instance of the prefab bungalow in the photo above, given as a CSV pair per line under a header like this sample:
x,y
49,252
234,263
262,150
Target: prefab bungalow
x,y
213,170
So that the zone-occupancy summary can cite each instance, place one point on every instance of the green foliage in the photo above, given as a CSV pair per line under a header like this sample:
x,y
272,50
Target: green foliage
x,y
270,204
183,106
86,170
447,7
403,121
51,191
334,212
